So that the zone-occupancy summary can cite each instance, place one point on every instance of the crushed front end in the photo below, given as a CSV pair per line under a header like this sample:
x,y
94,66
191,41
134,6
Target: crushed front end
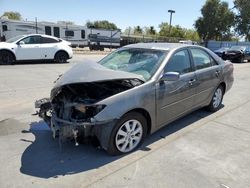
x,y
70,112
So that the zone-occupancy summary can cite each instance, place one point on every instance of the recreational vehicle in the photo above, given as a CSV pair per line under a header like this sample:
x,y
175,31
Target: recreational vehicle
x,y
79,36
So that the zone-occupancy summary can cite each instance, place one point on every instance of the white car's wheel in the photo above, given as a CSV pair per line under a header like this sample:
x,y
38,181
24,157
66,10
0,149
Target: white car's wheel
x,y
61,57
128,134
6,58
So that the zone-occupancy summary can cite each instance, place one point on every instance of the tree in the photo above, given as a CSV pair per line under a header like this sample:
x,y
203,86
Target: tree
x,y
102,24
191,34
216,21
176,31
243,17
150,30
12,15
138,30
164,29
128,31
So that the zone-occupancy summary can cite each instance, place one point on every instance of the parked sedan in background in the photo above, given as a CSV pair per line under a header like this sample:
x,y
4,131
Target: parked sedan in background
x,y
34,47
135,91
221,51
238,54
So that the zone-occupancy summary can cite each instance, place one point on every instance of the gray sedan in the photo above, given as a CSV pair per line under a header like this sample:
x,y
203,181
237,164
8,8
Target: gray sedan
x,y
133,92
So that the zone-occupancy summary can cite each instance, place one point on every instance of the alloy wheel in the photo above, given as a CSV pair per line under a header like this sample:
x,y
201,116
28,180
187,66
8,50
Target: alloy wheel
x,y
129,136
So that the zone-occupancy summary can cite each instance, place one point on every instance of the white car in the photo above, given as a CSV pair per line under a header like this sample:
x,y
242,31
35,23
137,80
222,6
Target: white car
x,y
35,47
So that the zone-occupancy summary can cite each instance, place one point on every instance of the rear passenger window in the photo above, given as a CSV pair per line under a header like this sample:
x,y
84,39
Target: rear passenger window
x,y
201,59
49,40
179,62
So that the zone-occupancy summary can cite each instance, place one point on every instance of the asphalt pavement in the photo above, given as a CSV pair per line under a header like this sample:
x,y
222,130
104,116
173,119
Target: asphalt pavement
x,y
200,150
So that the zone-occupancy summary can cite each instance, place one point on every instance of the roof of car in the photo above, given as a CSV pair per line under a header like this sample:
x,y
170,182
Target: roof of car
x,y
158,46
43,35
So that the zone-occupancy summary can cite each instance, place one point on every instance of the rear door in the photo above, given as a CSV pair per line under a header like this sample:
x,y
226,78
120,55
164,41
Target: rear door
x,y
174,98
208,74
49,47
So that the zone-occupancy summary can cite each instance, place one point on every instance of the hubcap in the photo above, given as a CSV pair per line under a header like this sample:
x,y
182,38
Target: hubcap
x,y
217,98
128,136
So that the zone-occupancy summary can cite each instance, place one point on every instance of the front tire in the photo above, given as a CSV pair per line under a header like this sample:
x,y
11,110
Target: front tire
x,y
6,58
216,101
61,57
128,134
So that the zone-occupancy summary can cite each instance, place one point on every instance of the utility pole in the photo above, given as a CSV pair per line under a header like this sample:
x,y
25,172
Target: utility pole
x,y
170,23
36,25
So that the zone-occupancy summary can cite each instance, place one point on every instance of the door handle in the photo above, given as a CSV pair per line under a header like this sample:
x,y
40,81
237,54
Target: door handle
x,y
191,82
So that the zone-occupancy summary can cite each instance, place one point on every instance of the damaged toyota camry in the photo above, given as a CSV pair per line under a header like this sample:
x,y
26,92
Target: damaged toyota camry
x,y
133,92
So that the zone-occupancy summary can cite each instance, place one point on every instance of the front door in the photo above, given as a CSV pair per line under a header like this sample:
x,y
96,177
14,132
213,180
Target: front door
x,y
174,98
29,48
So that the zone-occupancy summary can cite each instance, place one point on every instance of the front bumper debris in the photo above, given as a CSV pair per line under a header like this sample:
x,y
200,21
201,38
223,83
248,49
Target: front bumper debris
x,y
73,130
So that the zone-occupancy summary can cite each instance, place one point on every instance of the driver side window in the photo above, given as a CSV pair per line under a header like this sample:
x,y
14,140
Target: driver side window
x,y
32,40
179,62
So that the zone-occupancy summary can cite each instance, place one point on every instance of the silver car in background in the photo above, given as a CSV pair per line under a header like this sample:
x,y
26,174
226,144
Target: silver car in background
x,y
135,91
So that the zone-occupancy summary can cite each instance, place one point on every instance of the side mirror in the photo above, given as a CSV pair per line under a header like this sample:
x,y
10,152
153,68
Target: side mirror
x,y
21,43
170,76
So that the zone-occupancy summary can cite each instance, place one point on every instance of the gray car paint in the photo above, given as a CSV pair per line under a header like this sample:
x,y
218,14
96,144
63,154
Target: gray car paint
x,y
162,101
93,72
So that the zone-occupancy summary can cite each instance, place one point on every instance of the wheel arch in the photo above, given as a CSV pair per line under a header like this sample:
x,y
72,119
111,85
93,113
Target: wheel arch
x,y
7,50
61,51
146,114
223,84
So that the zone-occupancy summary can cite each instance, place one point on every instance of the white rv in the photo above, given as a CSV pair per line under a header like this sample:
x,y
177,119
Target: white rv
x,y
79,36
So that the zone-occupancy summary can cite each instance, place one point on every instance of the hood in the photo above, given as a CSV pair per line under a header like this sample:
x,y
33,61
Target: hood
x,y
6,45
93,72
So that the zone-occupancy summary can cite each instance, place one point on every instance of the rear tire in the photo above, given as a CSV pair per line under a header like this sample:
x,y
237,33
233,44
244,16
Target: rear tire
x,y
128,134
61,57
216,101
6,58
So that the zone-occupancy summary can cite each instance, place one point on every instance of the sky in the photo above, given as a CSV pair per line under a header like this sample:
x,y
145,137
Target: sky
x,y
122,13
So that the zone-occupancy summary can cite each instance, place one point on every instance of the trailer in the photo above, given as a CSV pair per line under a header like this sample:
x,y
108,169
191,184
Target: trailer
x,y
79,36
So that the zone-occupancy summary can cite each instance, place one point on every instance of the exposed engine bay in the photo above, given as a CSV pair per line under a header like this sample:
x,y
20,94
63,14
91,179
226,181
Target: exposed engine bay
x,y
71,108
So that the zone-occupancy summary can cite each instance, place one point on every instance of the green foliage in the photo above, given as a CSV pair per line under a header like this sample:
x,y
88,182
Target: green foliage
x,y
150,30
128,31
102,24
243,17
178,32
216,21
138,30
12,15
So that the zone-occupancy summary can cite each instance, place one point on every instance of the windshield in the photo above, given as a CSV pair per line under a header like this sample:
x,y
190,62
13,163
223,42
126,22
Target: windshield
x,y
238,48
14,39
143,62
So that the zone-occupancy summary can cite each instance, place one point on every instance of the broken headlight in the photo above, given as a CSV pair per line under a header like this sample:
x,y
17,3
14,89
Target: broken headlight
x,y
85,112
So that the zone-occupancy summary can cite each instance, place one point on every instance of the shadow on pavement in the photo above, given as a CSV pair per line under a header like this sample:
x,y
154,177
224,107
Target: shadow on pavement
x,y
44,159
